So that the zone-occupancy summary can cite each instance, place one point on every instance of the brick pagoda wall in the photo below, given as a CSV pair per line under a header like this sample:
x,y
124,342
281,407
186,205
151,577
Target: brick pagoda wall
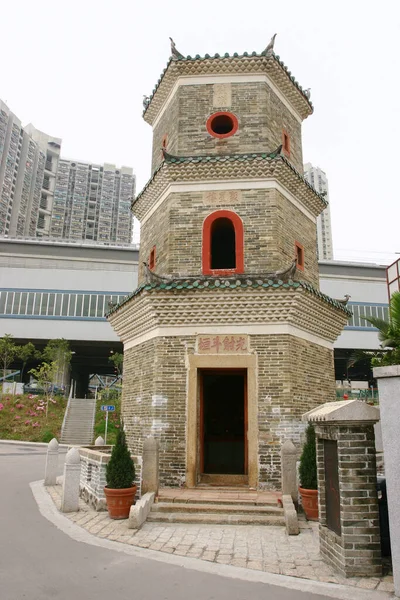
x,y
272,226
293,376
262,117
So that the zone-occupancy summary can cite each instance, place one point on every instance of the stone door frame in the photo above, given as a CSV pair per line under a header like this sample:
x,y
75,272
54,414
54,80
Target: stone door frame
x,y
220,361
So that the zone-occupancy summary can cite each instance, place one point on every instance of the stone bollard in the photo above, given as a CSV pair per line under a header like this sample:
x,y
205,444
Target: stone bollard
x,y
99,441
150,466
72,471
289,473
50,475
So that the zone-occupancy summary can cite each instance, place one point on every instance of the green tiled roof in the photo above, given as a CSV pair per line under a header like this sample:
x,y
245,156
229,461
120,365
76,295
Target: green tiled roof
x,y
232,283
229,56
216,158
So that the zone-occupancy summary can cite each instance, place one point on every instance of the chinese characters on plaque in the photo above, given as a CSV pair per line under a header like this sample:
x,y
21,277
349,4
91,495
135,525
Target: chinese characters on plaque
x,y
222,344
222,197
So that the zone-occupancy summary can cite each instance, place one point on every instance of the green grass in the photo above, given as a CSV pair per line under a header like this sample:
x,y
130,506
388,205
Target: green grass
x,y
113,417
24,418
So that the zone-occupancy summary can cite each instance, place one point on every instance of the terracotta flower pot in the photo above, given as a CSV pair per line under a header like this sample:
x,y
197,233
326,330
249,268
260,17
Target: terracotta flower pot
x,y
120,501
309,501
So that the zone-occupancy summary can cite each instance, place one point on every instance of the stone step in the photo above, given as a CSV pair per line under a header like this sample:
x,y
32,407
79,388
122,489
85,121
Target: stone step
x,y
213,508
210,500
215,519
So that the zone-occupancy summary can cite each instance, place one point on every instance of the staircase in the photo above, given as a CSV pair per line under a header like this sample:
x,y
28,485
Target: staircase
x,y
218,506
78,423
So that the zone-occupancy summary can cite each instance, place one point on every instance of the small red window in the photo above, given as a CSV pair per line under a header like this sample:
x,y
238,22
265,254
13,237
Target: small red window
x,y
222,124
299,249
152,258
286,142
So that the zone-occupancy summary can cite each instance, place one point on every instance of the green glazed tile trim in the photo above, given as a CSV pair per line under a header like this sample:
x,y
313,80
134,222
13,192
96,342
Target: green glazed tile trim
x,y
170,159
212,283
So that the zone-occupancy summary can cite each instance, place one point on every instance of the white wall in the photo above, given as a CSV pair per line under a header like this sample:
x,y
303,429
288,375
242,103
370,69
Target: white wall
x,y
107,280
98,331
368,290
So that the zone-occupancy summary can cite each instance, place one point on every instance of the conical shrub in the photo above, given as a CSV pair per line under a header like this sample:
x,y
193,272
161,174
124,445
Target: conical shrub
x,y
120,471
308,462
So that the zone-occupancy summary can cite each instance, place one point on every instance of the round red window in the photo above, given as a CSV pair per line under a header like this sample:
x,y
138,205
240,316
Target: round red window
x,y
222,124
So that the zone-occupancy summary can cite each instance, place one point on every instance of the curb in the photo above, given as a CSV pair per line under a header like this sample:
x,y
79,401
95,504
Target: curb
x,y
34,444
48,510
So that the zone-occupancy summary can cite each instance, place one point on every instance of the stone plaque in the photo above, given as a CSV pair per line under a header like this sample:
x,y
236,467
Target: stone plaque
x,y
222,97
222,344
332,494
222,197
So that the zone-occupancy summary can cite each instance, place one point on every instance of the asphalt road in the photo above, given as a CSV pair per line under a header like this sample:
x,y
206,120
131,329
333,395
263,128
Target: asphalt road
x,y
39,562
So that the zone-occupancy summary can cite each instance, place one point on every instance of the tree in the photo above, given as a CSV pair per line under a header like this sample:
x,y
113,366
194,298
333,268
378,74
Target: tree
x,y
26,353
8,351
44,375
389,337
388,334
118,361
58,351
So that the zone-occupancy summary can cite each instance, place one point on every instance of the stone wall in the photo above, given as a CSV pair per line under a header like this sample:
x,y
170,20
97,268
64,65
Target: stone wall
x,y
272,226
294,376
93,475
262,117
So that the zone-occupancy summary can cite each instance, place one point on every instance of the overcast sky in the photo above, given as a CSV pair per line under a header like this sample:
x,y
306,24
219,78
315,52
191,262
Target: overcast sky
x,y
78,70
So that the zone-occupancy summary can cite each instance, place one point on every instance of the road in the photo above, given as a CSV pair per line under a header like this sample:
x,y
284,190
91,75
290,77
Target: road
x,y
38,561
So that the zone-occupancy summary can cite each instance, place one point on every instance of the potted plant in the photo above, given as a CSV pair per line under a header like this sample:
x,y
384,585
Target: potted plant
x,y
308,476
120,474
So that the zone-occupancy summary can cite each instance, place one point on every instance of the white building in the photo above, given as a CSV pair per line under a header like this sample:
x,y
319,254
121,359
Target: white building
x,y
45,196
317,178
57,289
93,202
28,162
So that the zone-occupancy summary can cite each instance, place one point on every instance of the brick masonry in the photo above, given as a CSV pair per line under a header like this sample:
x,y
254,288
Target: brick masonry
x,y
294,373
294,376
261,114
356,552
272,225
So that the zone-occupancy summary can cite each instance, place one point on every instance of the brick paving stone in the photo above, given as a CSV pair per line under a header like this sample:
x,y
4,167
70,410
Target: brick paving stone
x,y
386,586
224,559
239,562
255,564
306,572
261,548
209,556
368,584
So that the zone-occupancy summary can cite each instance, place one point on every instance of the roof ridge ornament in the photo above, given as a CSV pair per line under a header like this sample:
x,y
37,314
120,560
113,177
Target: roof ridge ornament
x,y
270,48
174,51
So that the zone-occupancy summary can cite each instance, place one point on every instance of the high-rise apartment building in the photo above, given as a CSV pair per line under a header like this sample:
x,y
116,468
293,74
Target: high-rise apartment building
x,y
51,147
318,179
93,202
26,157
42,195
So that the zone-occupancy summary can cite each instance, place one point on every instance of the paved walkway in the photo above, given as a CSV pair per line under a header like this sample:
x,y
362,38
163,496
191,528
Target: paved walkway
x,y
253,547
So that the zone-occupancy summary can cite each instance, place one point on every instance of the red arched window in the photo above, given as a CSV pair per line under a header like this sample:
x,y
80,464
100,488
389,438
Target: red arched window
x,y
222,251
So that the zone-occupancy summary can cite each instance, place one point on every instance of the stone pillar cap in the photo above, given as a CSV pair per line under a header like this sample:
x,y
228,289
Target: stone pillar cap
x,y
352,411
72,457
388,371
53,444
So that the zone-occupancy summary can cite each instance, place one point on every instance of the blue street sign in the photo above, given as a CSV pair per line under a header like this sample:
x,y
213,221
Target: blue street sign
x,y
107,407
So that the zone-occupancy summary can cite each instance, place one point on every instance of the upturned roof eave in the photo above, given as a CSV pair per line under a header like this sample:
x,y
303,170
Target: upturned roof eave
x,y
170,159
232,283
235,55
